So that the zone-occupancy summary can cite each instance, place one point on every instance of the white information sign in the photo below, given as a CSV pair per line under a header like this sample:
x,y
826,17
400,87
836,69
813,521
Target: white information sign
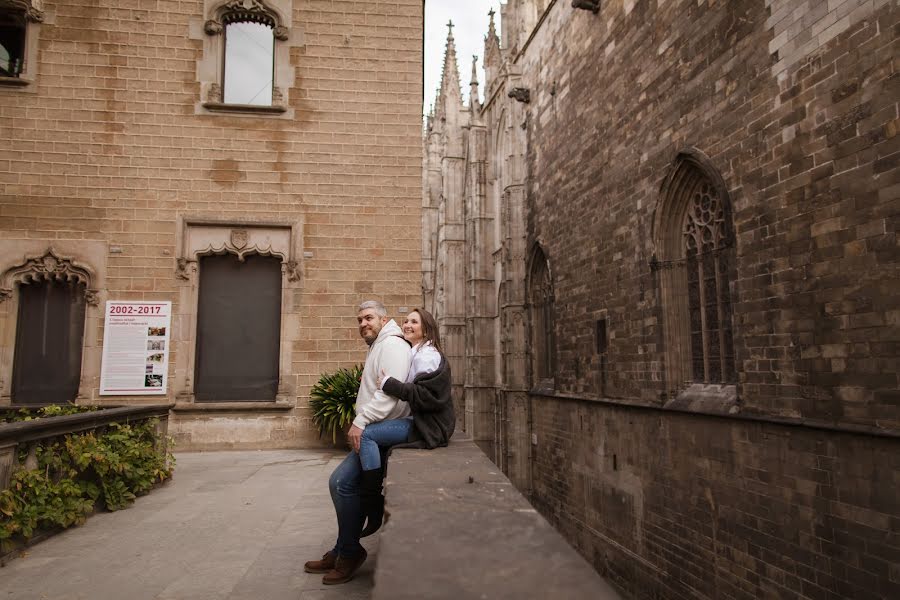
x,y
135,348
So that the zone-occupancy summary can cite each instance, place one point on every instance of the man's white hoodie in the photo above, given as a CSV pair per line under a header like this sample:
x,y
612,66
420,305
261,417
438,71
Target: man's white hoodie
x,y
390,352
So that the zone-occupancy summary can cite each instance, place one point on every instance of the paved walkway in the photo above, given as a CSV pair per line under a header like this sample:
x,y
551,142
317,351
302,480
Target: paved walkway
x,y
230,526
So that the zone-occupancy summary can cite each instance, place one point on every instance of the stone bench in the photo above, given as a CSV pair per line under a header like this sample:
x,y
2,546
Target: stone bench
x,y
459,529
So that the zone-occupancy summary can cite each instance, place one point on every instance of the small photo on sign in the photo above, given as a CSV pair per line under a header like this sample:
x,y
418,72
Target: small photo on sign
x,y
156,331
149,369
153,381
155,358
156,345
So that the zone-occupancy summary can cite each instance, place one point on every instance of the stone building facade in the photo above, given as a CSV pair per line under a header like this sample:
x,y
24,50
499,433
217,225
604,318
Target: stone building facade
x,y
663,251
136,167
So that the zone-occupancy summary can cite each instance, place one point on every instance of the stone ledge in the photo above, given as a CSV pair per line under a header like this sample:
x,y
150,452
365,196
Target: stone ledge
x,y
459,529
29,431
730,412
14,82
250,406
244,108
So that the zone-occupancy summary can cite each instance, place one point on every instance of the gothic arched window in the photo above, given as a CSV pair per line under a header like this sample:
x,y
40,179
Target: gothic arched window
x,y
708,262
696,259
244,35
543,340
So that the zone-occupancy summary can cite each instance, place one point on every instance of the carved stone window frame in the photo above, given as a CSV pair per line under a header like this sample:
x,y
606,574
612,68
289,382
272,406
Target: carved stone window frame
x,y
36,261
669,263
202,236
35,15
210,66
542,321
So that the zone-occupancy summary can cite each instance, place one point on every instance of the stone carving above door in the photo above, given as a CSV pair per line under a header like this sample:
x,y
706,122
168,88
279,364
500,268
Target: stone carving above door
x,y
46,267
203,238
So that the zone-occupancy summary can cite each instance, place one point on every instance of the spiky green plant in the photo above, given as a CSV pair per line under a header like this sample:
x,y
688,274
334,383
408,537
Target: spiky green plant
x,y
332,400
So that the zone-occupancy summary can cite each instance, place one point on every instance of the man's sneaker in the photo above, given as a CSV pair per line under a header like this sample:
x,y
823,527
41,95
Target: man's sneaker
x,y
321,566
344,569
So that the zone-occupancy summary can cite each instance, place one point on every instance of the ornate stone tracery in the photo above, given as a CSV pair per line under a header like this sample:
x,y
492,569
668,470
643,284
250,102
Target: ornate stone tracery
x,y
704,226
47,267
246,11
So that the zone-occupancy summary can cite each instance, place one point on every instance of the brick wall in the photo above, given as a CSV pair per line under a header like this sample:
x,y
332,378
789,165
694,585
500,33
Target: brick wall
x,y
107,145
799,116
809,161
678,506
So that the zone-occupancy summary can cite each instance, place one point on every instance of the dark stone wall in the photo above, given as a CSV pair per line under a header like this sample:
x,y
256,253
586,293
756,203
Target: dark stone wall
x,y
810,164
679,505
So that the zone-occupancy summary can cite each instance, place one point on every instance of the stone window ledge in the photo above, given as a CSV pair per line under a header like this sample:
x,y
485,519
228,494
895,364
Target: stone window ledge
x,y
249,406
14,82
544,387
243,108
707,398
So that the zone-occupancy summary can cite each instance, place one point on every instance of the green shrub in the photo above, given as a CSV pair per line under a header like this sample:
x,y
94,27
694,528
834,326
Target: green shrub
x,y
52,410
332,400
109,467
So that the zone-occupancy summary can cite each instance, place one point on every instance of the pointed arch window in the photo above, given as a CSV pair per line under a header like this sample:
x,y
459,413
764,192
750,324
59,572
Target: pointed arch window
x,y
543,339
708,263
696,261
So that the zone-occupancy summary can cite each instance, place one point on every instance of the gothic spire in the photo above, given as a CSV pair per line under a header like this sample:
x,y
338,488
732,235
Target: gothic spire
x,y
450,93
491,62
492,30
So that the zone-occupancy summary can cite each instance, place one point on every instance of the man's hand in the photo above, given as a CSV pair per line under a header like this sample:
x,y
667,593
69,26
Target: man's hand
x,y
381,377
354,436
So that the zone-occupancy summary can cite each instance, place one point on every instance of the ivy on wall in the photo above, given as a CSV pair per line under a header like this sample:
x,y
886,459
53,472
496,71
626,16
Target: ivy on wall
x,y
108,467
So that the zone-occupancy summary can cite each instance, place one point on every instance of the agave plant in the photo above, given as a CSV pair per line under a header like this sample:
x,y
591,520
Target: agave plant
x,y
332,400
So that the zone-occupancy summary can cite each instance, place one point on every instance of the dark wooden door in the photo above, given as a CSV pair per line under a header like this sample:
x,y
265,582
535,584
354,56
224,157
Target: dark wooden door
x,y
49,337
238,328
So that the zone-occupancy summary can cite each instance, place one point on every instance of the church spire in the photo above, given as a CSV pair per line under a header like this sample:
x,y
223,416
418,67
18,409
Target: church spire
x,y
492,30
450,94
491,62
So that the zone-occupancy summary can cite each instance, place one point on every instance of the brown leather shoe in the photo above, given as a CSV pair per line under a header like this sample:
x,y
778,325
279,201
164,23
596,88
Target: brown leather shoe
x,y
344,569
321,566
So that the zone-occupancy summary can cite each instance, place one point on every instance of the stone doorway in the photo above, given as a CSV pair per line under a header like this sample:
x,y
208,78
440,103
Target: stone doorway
x,y
238,328
49,337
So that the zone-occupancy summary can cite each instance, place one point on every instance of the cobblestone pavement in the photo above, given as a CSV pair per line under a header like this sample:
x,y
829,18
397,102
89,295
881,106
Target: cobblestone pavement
x,y
229,526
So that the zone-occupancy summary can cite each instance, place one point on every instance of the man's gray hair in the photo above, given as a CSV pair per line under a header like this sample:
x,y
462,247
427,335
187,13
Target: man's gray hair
x,y
377,306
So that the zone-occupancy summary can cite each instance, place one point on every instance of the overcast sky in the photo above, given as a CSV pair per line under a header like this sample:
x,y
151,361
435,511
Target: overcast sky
x,y
470,25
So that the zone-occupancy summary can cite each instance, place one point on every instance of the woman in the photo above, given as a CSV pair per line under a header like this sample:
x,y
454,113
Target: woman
x,y
427,391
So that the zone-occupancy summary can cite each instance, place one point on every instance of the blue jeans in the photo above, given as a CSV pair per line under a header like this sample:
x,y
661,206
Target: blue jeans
x,y
384,433
344,487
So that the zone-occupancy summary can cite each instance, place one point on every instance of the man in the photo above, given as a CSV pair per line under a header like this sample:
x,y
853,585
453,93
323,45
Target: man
x,y
387,351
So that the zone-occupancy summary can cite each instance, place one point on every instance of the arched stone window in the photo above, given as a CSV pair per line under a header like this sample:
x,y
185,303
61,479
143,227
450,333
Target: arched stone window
x,y
246,65
696,260
51,293
543,339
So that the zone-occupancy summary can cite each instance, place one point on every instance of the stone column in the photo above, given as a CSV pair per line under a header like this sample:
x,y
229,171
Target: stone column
x,y
480,298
